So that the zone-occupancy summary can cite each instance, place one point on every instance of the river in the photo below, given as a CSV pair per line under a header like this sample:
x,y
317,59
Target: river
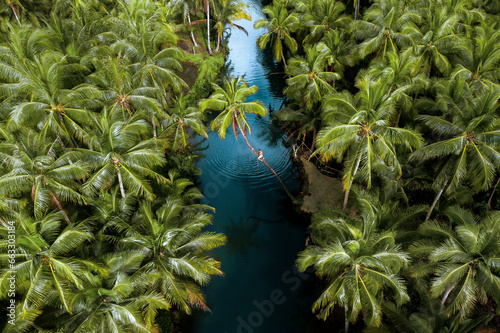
x,y
261,290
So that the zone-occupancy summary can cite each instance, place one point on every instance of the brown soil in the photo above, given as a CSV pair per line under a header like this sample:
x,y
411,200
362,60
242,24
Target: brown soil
x,y
322,191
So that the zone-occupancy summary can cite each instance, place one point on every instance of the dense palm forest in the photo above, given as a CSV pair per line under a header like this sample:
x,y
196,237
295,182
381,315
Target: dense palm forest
x,y
402,97
101,225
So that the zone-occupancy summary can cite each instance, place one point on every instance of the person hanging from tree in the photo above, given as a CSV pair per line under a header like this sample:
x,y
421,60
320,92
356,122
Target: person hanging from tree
x,y
260,156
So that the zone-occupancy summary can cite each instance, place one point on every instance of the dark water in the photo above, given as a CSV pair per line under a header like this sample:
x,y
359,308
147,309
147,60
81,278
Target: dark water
x,y
261,290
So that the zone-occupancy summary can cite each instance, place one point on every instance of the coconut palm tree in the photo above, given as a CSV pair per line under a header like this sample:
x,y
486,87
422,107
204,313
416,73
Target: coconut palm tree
x,y
309,81
358,131
435,38
120,150
403,71
41,171
359,263
43,98
382,28
430,316
231,99
228,12
280,24
174,248
45,267
323,17
463,260
182,118
478,59
116,302
468,128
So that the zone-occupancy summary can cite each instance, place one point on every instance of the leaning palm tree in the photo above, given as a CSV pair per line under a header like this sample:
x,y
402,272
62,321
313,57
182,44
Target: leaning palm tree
x,y
229,11
358,131
280,24
231,100
174,249
359,262
468,149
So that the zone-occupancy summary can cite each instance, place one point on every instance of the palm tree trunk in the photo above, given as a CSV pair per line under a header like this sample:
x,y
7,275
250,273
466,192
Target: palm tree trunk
x,y
218,43
356,10
208,27
267,164
346,321
120,182
15,11
314,139
492,193
435,201
283,57
58,204
192,35
346,197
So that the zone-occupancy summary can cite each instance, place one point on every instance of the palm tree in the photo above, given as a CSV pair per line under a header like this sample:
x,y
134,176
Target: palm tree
x,y
308,119
174,248
232,101
120,151
323,17
230,11
435,38
478,59
43,171
359,263
468,150
182,118
309,81
45,268
430,316
116,302
279,25
359,132
382,28
403,71
463,260
42,97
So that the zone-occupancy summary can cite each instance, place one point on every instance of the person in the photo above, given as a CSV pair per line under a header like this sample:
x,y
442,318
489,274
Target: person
x,y
260,156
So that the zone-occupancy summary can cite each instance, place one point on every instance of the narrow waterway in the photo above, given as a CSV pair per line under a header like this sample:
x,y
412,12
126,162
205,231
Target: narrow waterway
x,y
261,290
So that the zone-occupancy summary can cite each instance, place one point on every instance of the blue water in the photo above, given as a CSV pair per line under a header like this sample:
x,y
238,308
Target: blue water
x,y
261,290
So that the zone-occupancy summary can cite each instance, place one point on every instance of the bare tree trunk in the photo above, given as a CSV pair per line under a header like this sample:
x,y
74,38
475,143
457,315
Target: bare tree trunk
x,y
265,162
192,35
435,201
346,197
208,28
120,182
492,193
